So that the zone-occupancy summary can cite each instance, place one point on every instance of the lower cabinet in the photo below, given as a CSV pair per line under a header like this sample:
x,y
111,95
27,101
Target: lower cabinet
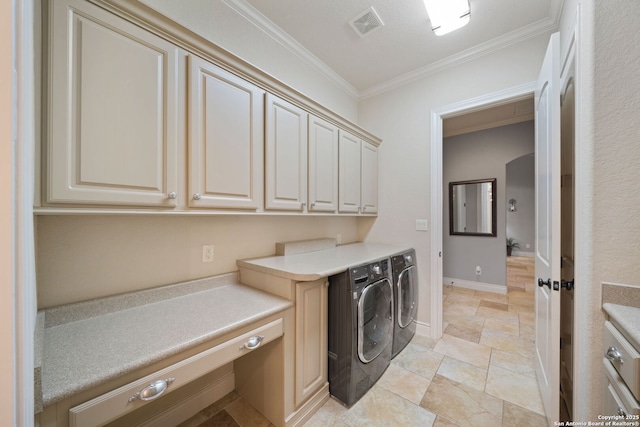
x,y
311,338
310,297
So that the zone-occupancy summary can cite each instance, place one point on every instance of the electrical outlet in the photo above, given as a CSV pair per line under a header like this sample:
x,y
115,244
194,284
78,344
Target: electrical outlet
x,y
528,246
421,225
478,270
207,253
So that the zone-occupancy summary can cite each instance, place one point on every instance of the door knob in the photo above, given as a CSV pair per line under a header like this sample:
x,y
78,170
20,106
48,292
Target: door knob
x,y
568,285
542,283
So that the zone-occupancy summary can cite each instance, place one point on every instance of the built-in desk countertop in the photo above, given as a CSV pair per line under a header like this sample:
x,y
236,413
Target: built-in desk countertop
x,y
87,344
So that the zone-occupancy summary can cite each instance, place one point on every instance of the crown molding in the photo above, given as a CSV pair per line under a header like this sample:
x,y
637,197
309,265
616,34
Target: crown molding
x,y
547,25
251,14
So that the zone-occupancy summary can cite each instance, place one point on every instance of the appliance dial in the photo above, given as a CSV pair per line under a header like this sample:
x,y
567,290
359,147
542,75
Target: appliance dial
x,y
377,269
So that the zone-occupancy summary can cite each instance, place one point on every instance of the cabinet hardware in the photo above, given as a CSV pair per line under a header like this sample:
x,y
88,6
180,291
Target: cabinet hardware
x,y
197,196
172,195
153,390
614,354
252,343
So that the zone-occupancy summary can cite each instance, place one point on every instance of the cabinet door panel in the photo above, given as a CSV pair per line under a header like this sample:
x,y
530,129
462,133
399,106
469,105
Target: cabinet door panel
x,y
225,138
311,338
369,190
349,193
286,155
112,110
323,166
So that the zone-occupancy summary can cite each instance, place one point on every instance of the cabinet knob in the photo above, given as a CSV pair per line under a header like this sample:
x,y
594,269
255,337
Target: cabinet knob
x,y
313,205
614,354
364,208
197,196
621,411
172,195
303,204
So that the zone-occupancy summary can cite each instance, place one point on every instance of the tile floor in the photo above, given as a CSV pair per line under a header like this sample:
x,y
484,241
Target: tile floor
x,y
480,373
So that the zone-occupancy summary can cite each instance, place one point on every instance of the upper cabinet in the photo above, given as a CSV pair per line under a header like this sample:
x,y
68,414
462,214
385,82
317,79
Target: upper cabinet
x,y
323,165
225,139
285,155
112,111
358,175
141,115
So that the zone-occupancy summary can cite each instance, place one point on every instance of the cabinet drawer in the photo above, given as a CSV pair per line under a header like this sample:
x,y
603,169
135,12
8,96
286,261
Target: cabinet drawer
x,y
626,358
617,397
116,403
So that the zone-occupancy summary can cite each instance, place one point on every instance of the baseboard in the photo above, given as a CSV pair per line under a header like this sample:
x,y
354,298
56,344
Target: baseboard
x,y
477,286
423,329
310,407
193,403
520,253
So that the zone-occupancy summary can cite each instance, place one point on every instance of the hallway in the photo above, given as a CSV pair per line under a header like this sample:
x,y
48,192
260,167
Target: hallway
x,y
480,373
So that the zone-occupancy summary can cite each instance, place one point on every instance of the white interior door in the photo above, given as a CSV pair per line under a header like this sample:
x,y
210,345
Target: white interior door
x,y
547,119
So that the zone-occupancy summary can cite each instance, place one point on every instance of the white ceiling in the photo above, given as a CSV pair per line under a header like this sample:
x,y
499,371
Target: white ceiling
x,y
319,30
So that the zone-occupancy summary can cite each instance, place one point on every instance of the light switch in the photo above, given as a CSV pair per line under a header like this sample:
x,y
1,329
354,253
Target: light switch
x,y
421,225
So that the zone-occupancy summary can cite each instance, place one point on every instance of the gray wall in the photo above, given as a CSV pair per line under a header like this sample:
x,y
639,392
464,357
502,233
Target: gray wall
x,y
521,187
478,155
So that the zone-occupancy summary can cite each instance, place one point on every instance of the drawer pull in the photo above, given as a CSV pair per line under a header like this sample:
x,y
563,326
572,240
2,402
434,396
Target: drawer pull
x,y
252,343
153,390
614,354
621,411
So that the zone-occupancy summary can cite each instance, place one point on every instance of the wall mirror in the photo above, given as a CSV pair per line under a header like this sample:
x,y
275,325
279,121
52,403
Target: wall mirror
x,y
472,208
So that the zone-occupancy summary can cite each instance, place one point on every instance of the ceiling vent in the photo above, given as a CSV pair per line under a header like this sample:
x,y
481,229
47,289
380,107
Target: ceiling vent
x,y
366,22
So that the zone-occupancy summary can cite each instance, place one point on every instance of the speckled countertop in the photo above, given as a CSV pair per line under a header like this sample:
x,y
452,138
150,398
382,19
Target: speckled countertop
x,y
87,344
622,303
315,265
626,319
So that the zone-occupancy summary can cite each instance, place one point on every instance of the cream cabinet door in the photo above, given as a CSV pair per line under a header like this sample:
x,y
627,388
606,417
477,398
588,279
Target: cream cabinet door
x,y
369,182
112,119
226,139
323,165
311,338
349,179
285,155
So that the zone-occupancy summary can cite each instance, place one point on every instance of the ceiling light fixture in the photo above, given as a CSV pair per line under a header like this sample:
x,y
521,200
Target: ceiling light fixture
x,y
447,15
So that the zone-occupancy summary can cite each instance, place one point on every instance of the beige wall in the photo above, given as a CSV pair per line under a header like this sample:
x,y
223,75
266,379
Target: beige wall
x,y
401,117
83,257
7,270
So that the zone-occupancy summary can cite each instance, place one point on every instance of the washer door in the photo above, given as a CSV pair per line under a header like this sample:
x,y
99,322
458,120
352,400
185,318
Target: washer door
x,y
375,319
407,296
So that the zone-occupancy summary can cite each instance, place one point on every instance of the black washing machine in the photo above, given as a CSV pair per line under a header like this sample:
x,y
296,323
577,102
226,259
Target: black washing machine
x,y
360,322
405,294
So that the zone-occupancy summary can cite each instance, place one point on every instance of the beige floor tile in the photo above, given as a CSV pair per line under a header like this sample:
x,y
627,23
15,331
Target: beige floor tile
x,y
463,291
246,415
464,373
513,361
380,407
494,305
419,360
461,404
515,388
493,297
488,312
506,342
465,351
443,422
461,299
423,341
404,383
514,415
528,332
508,326
331,414
453,310
466,333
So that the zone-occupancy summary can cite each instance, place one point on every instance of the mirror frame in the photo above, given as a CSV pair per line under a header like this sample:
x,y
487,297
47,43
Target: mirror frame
x,y
494,205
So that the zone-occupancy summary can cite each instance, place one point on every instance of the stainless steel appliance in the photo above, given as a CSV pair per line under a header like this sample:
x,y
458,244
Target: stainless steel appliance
x,y
360,321
405,294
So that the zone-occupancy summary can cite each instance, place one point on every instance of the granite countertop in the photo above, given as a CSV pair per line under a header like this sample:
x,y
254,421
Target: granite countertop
x,y
87,344
315,265
627,320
